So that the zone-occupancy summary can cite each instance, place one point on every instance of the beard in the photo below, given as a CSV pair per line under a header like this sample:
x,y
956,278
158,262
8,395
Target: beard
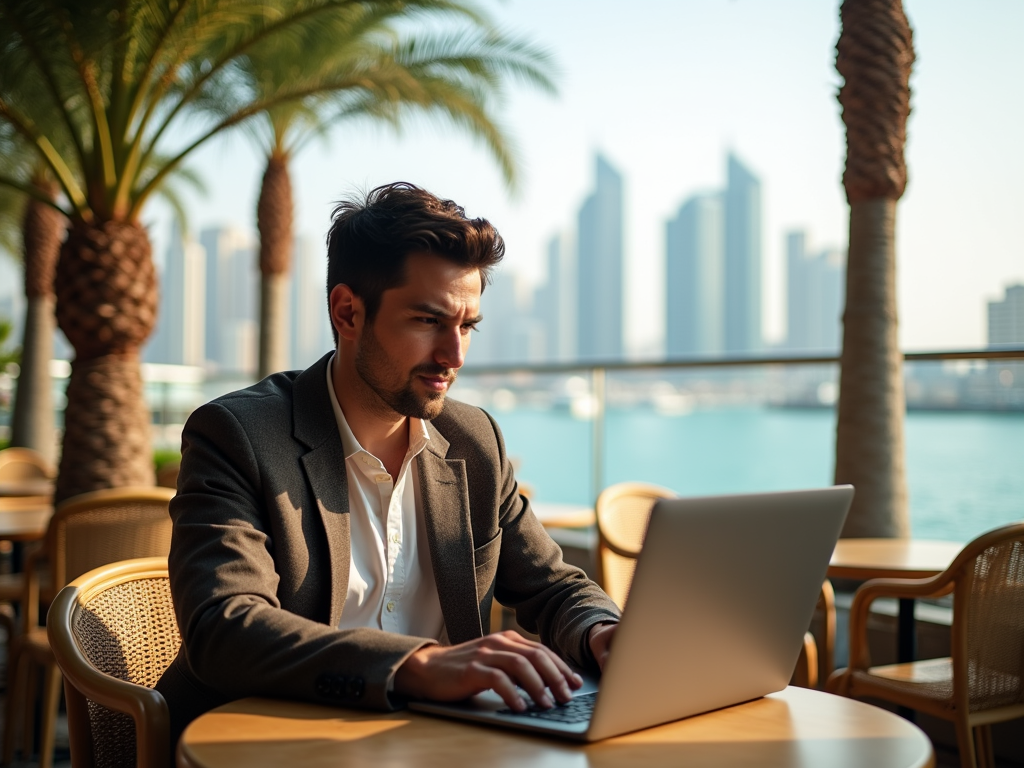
x,y
396,389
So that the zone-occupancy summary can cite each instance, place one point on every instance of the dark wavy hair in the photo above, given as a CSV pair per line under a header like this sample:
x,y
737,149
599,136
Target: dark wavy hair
x,y
370,239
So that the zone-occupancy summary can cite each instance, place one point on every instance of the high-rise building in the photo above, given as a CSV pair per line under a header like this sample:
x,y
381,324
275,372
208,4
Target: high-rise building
x,y
694,261
599,265
180,335
1006,318
232,287
553,304
742,260
815,287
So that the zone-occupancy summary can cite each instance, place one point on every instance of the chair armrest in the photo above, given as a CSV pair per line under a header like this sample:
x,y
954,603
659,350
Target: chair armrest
x,y
869,591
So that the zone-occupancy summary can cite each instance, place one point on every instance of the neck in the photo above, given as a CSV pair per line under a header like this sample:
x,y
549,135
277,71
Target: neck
x,y
378,428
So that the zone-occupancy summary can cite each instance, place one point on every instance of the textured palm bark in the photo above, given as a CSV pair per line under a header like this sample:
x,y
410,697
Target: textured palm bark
x,y
32,423
869,430
106,305
874,55
274,216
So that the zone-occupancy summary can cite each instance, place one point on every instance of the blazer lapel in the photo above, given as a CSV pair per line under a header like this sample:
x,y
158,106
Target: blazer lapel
x,y
325,470
444,492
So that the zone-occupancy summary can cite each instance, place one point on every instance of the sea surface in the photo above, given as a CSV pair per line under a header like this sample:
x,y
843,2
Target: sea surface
x,y
965,471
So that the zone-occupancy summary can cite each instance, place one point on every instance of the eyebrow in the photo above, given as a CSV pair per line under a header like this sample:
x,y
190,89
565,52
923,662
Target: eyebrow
x,y
429,309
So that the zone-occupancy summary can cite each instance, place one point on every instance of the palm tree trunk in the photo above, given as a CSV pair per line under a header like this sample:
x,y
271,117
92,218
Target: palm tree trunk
x,y
274,220
106,305
875,55
869,431
32,423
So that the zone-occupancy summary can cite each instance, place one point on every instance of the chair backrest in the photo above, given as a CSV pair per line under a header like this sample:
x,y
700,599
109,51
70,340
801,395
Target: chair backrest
x,y
101,527
988,620
113,634
17,464
623,511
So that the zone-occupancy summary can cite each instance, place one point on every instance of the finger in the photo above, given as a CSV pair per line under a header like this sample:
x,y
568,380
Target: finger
x,y
557,675
520,669
501,684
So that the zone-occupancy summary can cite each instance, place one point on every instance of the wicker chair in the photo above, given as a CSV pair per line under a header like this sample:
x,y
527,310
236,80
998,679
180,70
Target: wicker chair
x,y
623,511
86,532
18,464
12,585
983,681
113,633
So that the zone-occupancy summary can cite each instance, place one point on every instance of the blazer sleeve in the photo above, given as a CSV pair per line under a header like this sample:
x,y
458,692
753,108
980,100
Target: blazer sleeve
x,y
237,640
550,597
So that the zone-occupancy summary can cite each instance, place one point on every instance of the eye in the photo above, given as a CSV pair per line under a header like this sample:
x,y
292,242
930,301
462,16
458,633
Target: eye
x,y
426,319
467,327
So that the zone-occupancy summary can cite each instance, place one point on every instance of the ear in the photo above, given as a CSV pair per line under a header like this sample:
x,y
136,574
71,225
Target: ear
x,y
347,312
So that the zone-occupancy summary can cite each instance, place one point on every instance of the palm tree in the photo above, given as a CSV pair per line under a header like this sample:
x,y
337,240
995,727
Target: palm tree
x,y
34,229
121,85
875,56
377,74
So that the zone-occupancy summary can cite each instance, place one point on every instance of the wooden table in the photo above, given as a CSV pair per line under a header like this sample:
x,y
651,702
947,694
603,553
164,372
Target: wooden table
x,y
795,727
32,487
563,515
25,518
864,559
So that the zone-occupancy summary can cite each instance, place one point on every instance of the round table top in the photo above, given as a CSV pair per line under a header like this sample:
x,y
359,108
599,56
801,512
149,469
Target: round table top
x,y
891,558
36,486
25,518
795,727
563,515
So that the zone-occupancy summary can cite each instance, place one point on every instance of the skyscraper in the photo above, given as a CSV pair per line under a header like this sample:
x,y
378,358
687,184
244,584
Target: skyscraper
x,y
599,268
742,260
181,324
232,282
553,305
694,262
815,287
1006,318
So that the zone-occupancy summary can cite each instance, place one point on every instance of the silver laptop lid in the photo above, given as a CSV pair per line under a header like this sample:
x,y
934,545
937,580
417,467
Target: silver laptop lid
x,y
723,592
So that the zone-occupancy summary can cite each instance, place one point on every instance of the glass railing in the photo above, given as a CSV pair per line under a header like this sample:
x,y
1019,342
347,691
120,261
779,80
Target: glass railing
x,y
755,424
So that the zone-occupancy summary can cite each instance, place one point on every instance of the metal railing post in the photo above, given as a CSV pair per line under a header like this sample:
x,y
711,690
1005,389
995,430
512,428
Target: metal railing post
x,y
597,377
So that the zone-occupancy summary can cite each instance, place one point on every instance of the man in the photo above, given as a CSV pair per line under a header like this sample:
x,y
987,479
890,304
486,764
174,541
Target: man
x,y
340,532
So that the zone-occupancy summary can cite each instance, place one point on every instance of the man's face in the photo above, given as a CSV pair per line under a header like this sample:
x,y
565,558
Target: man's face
x,y
410,354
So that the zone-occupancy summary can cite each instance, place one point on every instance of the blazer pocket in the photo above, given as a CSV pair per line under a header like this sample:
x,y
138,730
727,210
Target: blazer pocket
x,y
485,570
483,555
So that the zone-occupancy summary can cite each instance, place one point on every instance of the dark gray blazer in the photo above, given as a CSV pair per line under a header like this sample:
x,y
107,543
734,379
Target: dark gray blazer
x,y
260,552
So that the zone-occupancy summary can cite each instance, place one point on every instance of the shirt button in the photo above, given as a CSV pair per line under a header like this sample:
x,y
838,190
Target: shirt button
x,y
394,538
391,606
383,478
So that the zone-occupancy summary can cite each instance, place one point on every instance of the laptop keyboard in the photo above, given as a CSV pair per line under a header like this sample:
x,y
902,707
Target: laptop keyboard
x,y
578,710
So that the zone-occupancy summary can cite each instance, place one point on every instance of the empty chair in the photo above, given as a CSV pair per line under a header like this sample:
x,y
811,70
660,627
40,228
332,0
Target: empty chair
x,y
982,682
18,464
113,634
86,532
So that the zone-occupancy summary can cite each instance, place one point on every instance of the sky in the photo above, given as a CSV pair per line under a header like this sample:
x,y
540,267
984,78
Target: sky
x,y
664,90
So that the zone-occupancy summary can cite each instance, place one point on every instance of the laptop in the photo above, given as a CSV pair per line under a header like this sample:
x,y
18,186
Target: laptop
x,y
723,592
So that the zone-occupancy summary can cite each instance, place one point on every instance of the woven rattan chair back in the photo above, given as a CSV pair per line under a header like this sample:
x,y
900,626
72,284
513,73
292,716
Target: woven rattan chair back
x,y
19,464
102,527
623,511
114,634
988,634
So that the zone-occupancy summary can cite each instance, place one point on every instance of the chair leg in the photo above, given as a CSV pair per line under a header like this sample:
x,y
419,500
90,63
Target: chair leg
x,y
965,742
52,683
983,740
17,694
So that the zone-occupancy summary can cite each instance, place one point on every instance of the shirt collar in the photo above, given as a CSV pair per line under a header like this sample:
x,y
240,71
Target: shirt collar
x,y
418,435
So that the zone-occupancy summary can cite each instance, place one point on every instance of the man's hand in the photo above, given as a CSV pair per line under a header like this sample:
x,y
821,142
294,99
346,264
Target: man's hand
x,y
600,640
498,662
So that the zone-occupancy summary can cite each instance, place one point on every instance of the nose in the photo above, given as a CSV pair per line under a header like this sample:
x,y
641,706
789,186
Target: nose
x,y
451,348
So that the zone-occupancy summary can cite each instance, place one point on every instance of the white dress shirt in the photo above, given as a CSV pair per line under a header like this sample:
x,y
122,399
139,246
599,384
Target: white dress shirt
x,y
391,584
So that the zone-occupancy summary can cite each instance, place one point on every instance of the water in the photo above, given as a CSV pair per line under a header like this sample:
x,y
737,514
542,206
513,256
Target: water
x,y
965,471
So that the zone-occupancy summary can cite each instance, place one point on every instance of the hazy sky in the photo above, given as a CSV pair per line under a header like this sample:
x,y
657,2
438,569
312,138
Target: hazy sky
x,y
664,90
